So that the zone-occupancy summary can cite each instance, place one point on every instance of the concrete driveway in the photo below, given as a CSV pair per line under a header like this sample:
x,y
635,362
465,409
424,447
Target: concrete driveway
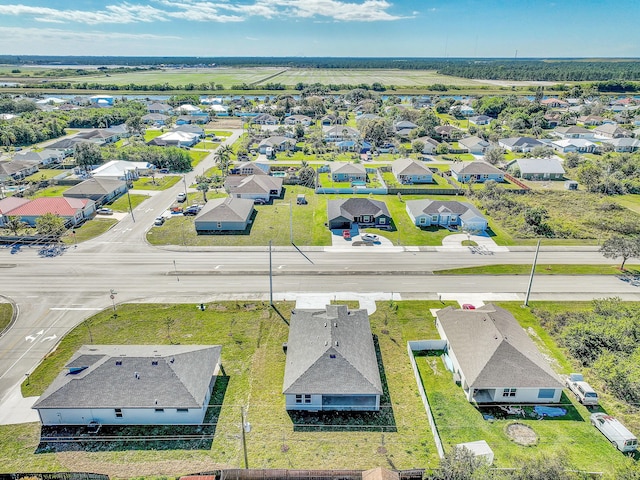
x,y
485,243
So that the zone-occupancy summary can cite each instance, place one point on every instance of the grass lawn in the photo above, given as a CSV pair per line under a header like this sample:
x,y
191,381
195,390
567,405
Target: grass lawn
x,y
197,157
541,269
151,134
55,191
392,182
89,230
251,335
159,183
122,203
6,312
219,133
46,174
206,145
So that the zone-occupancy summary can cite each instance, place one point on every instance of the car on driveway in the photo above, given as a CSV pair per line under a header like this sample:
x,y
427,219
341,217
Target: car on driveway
x,y
259,201
468,306
104,211
192,210
159,221
346,234
370,237
181,197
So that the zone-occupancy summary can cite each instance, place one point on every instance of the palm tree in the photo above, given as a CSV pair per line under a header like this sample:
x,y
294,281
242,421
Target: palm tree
x,y
223,158
14,223
203,187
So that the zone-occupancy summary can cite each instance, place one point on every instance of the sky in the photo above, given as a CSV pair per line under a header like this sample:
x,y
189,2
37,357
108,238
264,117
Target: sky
x,y
310,28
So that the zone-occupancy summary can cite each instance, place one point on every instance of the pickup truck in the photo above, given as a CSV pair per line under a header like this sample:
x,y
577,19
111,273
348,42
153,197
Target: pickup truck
x,y
582,390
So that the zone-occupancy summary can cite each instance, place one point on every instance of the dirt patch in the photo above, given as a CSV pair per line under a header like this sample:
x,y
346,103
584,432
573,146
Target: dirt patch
x,y
221,123
521,434
220,308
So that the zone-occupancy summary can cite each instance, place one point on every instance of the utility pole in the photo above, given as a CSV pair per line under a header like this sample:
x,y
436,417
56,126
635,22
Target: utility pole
x,y
126,180
270,276
533,269
291,221
243,428
186,195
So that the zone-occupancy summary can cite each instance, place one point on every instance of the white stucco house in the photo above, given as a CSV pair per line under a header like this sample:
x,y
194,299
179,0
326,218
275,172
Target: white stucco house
x,y
132,385
494,359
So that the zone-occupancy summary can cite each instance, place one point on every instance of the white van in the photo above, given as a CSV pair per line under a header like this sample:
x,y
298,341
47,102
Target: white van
x,y
615,432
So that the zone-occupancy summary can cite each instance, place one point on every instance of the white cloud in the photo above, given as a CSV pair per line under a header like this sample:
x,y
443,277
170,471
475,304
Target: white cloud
x,y
47,34
221,11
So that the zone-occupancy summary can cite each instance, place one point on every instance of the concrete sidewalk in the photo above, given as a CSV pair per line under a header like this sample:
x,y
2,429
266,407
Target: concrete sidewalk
x,y
14,408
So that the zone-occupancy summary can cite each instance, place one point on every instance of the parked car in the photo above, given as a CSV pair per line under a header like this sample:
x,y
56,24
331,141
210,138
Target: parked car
x,y
181,197
616,433
581,389
192,210
259,201
346,234
159,221
468,306
370,237
104,211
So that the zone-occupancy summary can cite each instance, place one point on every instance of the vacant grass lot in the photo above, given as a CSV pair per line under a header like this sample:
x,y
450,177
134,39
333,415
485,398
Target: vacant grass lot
x,y
572,436
272,223
55,191
6,312
157,183
121,204
89,230
46,174
251,335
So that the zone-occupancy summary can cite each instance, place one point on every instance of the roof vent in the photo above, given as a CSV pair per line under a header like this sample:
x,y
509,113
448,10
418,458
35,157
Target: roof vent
x,y
325,324
118,362
335,324
154,362
137,375
172,360
332,356
336,343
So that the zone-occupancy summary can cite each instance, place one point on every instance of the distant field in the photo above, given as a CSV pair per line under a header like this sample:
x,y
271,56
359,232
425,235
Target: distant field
x,y
234,76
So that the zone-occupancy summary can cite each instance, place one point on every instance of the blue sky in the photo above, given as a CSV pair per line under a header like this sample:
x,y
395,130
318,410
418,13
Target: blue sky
x,y
339,28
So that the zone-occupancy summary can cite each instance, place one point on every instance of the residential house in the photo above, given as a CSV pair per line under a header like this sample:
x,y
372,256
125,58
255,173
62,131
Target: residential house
x,y
101,136
17,169
99,189
190,128
474,145
404,127
409,171
554,103
329,120
348,172
43,157
219,110
479,172
624,144
159,107
175,139
192,119
466,110
250,168
71,210
581,145
448,132
10,203
430,145
277,143
101,100
187,109
540,168
159,119
426,213
132,385
331,361
338,133
298,120
611,131
265,119
481,120
230,214
66,146
122,170
574,132
254,187
494,359
361,212
553,119
520,144
593,120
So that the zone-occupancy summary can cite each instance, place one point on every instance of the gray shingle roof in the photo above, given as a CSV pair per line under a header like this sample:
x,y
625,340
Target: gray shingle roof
x,y
540,165
436,207
226,210
180,379
253,184
493,350
409,166
331,352
95,186
521,142
348,168
356,207
475,168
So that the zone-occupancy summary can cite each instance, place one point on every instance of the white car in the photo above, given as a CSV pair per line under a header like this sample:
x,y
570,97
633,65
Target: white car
x,y
370,237
159,221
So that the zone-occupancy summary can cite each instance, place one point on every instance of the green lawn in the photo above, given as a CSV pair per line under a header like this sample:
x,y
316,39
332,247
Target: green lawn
x,y
46,174
6,312
151,134
89,230
541,269
207,145
55,191
438,182
219,133
251,335
197,157
159,183
122,203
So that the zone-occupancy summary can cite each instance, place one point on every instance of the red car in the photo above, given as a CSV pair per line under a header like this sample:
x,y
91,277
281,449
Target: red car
x,y
346,234
468,306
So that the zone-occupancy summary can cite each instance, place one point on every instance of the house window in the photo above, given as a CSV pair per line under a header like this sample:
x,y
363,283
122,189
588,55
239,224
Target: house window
x,y
307,399
546,393
454,218
423,220
118,412
509,392
298,398
434,218
219,224
382,220
182,410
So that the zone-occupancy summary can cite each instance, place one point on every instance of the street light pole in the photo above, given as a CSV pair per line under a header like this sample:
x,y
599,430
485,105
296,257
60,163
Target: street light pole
x,y
270,276
291,221
113,299
533,269
186,195
126,181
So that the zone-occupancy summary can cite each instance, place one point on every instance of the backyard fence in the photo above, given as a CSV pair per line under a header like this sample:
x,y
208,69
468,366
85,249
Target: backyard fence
x,y
423,394
54,476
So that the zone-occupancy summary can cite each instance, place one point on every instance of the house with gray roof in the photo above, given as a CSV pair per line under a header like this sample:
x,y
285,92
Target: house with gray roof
x,y
609,130
409,171
43,157
362,212
494,359
99,189
224,215
474,145
519,144
250,168
331,361
479,172
574,132
17,169
539,168
623,144
253,187
427,213
132,385
348,172
276,143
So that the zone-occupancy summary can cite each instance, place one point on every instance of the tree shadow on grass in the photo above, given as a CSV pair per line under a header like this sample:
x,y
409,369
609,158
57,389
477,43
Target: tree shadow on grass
x,y
335,421
113,438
